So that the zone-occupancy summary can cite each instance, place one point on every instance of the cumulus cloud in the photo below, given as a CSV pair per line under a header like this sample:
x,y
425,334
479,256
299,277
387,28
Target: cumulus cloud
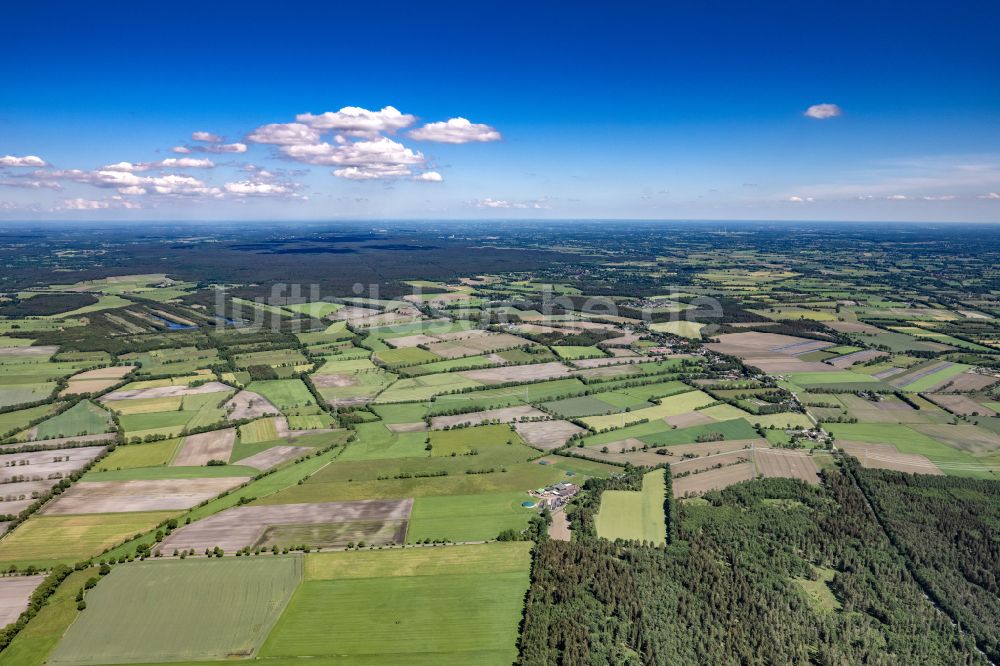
x,y
372,172
251,188
455,130
993,196
184,163
897,197
798,199
429,177
206,136
357,121
284,134
359,160
125,166
823,111
181,150
127,182
25,161
223,148
940,197
30,184
97,204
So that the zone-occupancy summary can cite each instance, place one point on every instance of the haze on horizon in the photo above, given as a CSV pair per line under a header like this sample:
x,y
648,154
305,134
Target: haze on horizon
x,y
225,111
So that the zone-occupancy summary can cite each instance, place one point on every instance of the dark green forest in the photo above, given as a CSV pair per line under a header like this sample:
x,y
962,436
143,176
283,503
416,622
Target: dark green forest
x,y
771,571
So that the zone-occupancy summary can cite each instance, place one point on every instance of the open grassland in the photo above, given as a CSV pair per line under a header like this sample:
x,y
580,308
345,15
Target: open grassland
x,y
180,610
261,430
285,394
454,605
83,418
317,309
468,517
376,441
139,455
627,514
51,539
18,420
472,441
577,352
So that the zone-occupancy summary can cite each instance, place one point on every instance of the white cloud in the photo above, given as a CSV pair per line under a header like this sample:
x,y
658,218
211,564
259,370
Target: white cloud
x,y
502,203
455,130
897,197
206,136
429,177
97,204
359,160
823,111
993,196
132,189
184,163
125,166
84,204
372,172
798,199
25,161
284,134
224,148
182,150
357,121
30,184
250,188
940,197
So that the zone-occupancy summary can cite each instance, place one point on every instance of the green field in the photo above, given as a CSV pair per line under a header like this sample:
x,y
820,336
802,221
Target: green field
x,y
83,418
53,539
472,441
576,352
318,309
261,430
285,394
467,517
907,440
670,406
406,356
180,610
33,643
457,605
637,515
515,477
19,420
376,441
425,387
139,455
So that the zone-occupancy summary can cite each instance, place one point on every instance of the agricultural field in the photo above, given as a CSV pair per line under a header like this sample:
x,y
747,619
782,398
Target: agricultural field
x,y
457,606
372,475
208,602
635,515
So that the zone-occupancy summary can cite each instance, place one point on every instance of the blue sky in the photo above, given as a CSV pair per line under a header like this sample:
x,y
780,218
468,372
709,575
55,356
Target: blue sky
x,y
692,110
